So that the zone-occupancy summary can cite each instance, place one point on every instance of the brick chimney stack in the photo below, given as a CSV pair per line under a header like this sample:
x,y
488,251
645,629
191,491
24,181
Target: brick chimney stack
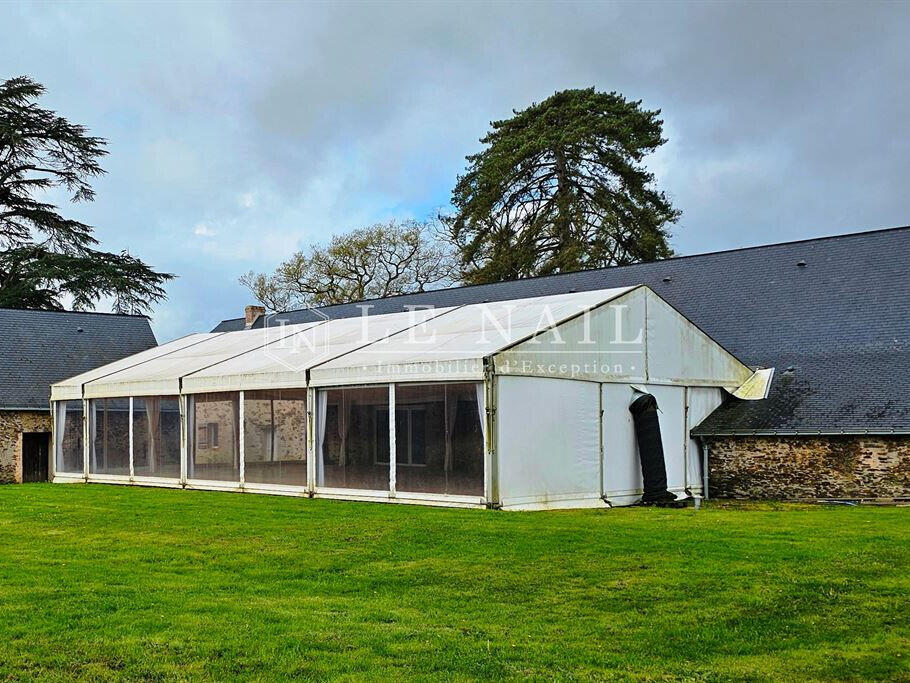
x,y
251,314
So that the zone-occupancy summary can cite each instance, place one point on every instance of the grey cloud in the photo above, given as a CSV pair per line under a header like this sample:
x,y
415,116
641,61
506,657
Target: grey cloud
x,y
785,120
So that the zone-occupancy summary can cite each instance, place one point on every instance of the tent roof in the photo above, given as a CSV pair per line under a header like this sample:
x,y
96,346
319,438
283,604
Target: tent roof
x,y
71,389
161,375
284,364
453,346
441,344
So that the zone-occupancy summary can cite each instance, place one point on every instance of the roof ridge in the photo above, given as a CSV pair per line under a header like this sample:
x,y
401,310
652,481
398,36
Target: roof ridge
x,y
611,268
108,313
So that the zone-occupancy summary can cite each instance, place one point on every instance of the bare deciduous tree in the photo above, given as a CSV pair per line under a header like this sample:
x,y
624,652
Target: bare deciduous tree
x,y
382,260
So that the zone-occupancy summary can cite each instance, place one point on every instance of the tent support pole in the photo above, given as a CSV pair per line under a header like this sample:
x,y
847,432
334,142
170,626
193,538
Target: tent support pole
x,y
492,462
86,416
241,445
132,466
52,466
600,438
310,446
393,456
185,407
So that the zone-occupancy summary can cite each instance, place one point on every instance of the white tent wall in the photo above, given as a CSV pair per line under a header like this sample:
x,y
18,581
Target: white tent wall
x,y
680,353
548,442
671,411
606,343
622,482
680,409
633,339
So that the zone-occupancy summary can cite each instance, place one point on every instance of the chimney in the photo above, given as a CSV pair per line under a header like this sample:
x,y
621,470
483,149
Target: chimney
x,y
251,315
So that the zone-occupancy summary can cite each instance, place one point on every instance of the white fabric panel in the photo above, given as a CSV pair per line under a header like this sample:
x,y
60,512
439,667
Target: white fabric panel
x,y
321,405
605,344
671,404
452,346
702,402
283,364
161,376
680,353
153,418
72,388
93,432
622,468
59,431
548,441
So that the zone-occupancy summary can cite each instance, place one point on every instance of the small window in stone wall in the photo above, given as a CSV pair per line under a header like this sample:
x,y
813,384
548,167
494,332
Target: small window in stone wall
x,y
208,435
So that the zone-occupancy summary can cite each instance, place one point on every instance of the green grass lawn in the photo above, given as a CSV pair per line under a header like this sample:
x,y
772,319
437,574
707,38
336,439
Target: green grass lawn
x,y
104,581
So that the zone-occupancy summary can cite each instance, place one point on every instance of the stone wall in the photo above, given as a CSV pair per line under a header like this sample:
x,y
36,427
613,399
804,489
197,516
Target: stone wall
x,y
12,424
798,467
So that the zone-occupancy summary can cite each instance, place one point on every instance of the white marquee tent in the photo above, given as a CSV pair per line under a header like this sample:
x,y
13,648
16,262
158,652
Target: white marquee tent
x,y
518,404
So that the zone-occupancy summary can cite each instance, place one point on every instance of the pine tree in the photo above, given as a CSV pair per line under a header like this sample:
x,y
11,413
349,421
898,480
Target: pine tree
x,y
561,186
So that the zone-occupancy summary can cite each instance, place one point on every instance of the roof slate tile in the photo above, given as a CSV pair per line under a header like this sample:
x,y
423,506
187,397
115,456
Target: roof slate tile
x,y
40,348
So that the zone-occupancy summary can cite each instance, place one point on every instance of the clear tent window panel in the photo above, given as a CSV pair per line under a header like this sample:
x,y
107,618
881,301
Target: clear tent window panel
x,y
69,446
109,436
215,437
438,439
274,436
156,437
350,439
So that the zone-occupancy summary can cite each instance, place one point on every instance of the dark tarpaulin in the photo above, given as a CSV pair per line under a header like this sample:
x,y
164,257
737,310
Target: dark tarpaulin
x,y
650,450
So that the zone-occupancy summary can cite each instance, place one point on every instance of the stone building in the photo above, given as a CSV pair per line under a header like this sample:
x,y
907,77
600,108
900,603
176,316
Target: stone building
x,y
830,315
37,349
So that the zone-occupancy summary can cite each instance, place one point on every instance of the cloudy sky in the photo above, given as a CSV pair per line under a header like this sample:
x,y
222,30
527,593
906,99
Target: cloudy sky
x,y
239,133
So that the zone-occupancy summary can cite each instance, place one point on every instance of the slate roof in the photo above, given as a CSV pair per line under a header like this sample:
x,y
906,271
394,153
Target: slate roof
x,y
39,348
841,321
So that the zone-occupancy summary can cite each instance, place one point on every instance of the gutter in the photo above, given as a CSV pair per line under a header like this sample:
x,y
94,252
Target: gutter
x,y
805,432
31,409
704,468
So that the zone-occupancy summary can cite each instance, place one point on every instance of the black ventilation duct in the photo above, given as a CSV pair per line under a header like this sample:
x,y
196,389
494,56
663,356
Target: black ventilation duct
x,y
650,451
